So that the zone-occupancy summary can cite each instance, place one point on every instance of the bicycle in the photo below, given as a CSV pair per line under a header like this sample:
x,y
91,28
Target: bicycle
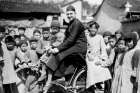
x,y
76,83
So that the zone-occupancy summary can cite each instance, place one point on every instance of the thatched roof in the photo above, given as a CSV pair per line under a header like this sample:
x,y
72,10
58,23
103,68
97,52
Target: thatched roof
x,y
15,6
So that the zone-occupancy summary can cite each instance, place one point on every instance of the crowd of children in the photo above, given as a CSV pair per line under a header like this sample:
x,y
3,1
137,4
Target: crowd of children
x,y
112,59
24,56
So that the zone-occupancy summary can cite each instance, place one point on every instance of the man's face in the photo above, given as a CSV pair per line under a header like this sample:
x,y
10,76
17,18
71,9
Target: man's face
x,y
71,15
2,34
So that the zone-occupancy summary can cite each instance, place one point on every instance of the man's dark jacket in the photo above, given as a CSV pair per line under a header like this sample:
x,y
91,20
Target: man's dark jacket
x,y
75,42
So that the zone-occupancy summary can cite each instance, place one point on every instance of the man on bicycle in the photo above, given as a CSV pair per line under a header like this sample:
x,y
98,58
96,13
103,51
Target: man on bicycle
x,y
75,42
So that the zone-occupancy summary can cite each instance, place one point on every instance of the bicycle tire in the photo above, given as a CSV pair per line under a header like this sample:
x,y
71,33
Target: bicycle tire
x,y
80,75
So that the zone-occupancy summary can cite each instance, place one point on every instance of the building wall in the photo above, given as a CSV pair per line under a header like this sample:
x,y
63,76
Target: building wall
x,y
127,27
108,18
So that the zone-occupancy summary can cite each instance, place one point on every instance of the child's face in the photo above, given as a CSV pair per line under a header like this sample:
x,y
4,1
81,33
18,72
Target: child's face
x,y
112,42
33,45
10,45
21,32
17,41
12,33
118,35
130,44
106,39
46,34
60,36
37,36
24,47
22,38
121,44
2,34
93,30
54,30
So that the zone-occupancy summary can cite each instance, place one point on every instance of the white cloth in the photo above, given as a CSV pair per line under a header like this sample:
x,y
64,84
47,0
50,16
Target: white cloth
x,y
96,52
9,74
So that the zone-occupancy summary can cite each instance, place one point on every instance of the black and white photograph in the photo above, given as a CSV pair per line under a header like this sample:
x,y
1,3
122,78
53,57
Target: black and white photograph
x,y
69,46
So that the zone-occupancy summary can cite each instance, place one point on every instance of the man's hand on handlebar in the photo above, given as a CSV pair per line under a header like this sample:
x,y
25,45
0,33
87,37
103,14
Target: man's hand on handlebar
x,y
53,51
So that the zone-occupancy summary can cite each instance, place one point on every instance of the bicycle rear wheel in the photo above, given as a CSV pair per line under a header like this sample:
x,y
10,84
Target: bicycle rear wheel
x,y
79,82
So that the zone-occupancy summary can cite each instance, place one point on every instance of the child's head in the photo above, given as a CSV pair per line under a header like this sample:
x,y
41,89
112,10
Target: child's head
x,y
121,43
17,40
12,33
37,34
131,40
24,45
2,32
118,34
33,43
22,37
10,43
46,32
21,30
112,41
60,36
93,28
106,36
55,27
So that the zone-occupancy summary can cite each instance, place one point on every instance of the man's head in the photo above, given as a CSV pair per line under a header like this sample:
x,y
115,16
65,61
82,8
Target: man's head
x,y
37,34
2,33
10,43
21,30
71,13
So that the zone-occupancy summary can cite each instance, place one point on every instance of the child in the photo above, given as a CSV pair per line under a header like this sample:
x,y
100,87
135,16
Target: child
x,y
122,80
96,58
120,49
33,56
10,84
46,37
37,37
17,40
